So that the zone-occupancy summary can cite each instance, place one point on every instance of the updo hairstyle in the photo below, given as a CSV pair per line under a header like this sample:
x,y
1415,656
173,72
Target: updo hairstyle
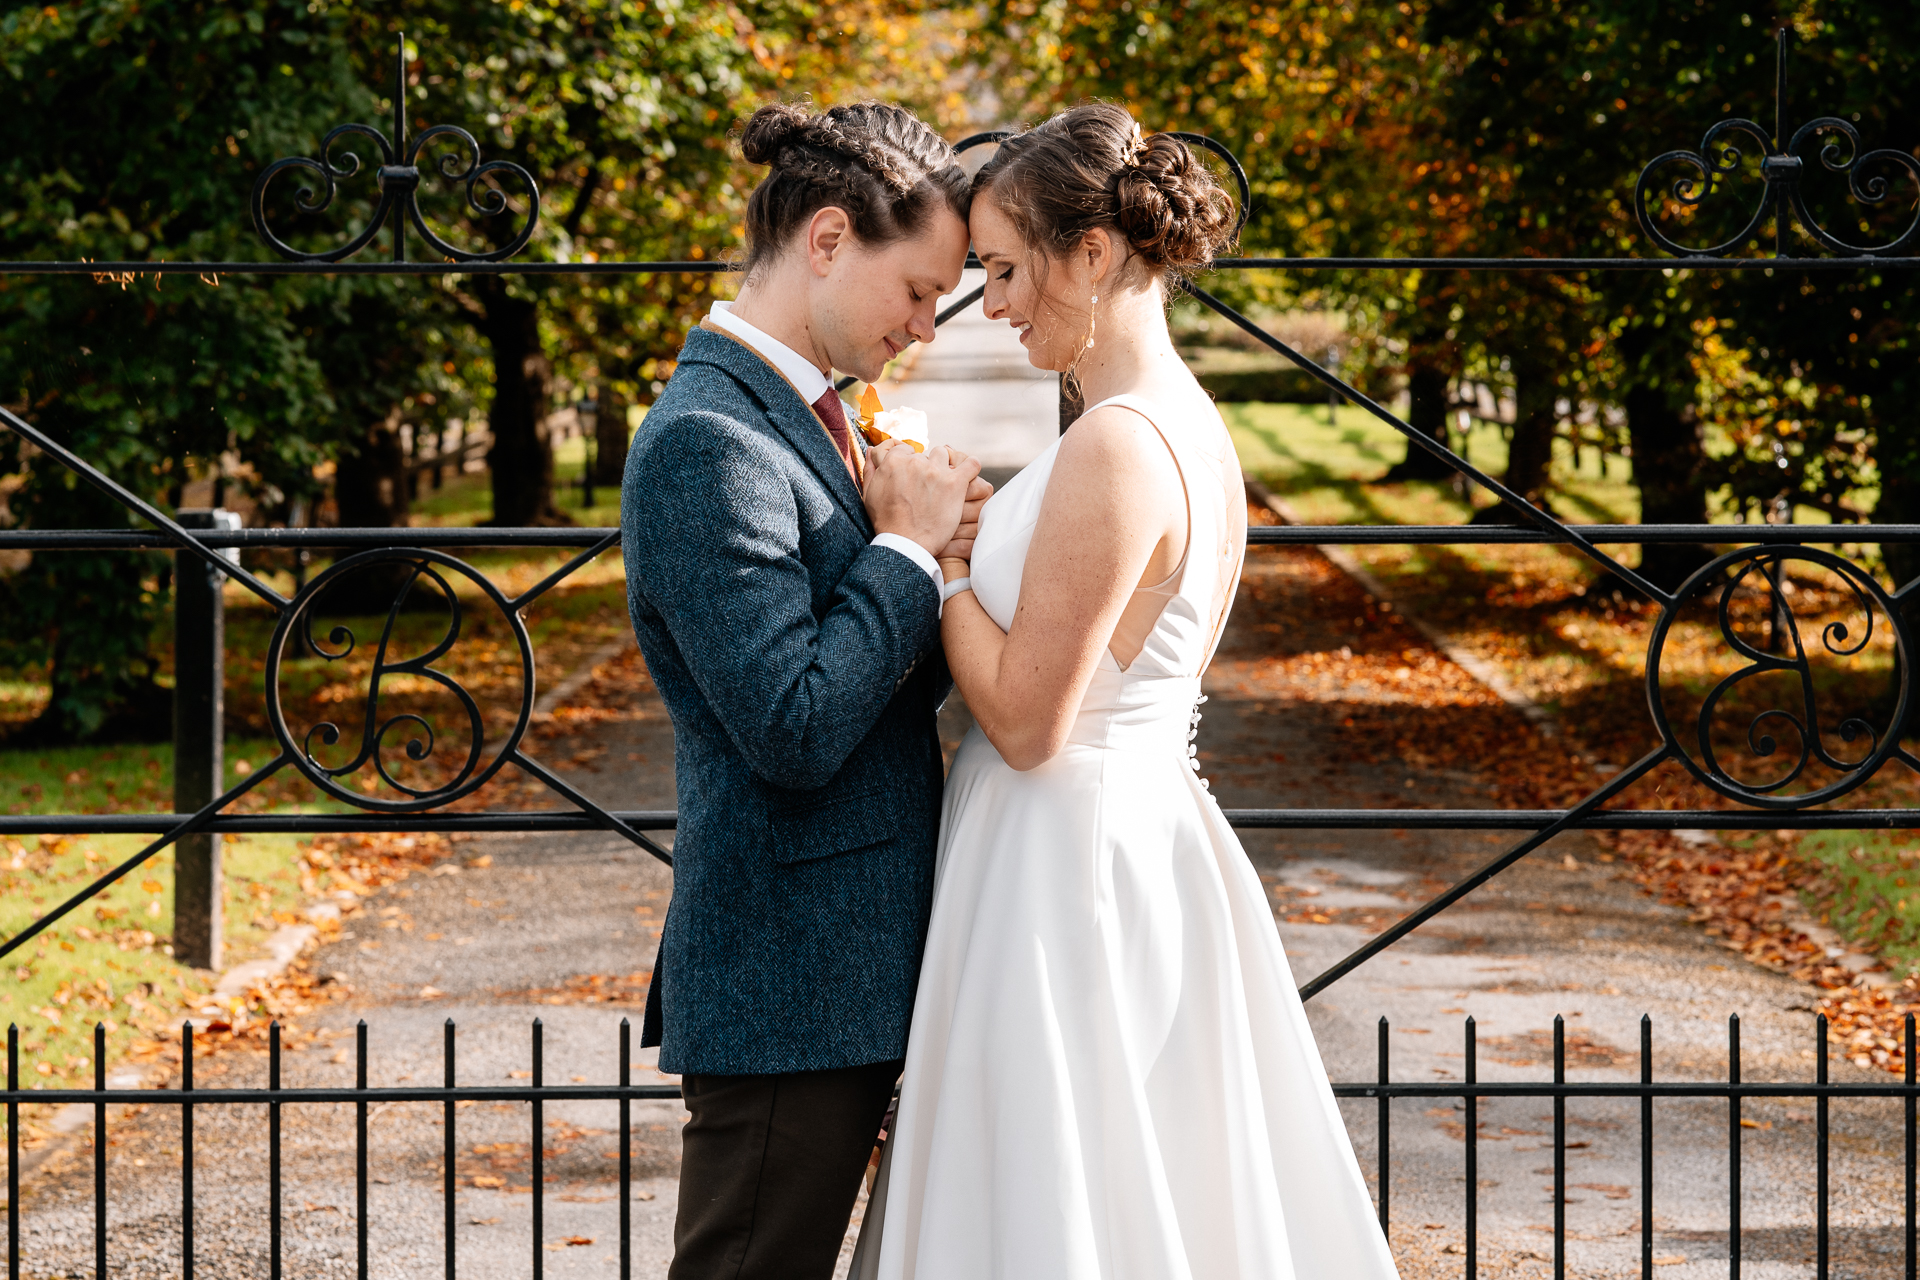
x,y
886,168
1088,168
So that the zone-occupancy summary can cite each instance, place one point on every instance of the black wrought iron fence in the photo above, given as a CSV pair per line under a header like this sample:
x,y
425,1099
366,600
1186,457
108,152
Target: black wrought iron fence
x,y
1469,1091
422,561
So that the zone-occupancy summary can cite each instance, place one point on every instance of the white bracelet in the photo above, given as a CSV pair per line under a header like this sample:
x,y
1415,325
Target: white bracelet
x,y
954,588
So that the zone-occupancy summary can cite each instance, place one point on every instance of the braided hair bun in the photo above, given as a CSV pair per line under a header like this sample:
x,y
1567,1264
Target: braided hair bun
x,y
1088,168
769,130
878,162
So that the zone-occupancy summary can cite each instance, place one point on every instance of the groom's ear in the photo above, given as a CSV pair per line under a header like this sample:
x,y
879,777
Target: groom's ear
x,y
829,233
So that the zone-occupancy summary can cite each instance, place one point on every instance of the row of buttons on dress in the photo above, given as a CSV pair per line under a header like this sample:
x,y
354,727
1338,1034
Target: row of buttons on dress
x,y
1193,737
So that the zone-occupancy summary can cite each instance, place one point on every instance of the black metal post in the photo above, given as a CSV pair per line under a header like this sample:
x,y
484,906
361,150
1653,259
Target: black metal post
x,y
539,1160
13,1153
100,1152
1820,1150
186,1151
1646,1149
1782,208
273,1153
399,155
1386,1117
1733,1149
1473,1155
452,1147
1559,1150
626,1151
1907,1105
199,671
360,1151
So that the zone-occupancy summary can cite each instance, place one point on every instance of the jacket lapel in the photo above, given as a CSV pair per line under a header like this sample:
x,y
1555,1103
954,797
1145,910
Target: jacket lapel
x,y
791,416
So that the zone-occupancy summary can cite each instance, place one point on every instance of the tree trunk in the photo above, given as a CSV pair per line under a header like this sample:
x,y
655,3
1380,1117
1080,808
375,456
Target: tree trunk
x,y
1536,390
1667,458
610,435
370,482
1433,357
521,458
1427,414
370,492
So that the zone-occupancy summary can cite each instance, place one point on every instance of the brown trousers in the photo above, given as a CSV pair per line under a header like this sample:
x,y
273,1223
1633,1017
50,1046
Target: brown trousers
x,y
770,1167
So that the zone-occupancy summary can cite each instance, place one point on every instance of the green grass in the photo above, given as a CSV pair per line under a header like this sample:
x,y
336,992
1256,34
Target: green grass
x,y
1330,470
1874,878
119,779
467,499
110,960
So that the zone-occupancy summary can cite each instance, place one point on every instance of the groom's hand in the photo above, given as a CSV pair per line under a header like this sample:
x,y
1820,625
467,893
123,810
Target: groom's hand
x,y
961,547
920,496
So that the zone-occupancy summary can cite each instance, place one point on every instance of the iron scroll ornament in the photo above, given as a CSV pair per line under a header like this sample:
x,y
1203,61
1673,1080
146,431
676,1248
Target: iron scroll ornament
x,y
399,179
1729,573
1782,169
416,566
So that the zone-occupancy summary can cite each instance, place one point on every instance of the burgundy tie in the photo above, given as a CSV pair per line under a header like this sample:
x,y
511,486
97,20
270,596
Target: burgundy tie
x,y
832,413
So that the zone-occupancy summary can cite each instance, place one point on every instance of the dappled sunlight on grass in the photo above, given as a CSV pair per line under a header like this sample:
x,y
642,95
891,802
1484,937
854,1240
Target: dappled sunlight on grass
x,y
111,960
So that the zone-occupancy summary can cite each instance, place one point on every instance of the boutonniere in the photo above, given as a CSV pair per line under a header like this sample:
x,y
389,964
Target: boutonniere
x,y
909,426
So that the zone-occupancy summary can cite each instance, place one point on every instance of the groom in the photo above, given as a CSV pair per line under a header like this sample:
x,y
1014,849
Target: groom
x,y
784,589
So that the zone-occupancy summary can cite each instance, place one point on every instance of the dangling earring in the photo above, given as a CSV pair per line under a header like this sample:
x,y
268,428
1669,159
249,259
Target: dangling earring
x,y
1093,320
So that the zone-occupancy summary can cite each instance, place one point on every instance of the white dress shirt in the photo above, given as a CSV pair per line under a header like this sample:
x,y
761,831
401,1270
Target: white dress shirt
x,y
812,383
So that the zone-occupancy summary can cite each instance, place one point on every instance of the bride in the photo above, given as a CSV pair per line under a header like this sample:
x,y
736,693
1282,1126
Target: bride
x,y
1110,1074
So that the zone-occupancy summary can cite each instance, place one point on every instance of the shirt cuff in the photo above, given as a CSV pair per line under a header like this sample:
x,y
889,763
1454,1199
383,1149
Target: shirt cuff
x,y
916,553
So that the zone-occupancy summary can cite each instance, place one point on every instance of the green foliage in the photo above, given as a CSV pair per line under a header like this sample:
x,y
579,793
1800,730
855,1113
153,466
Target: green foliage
x,y
139,129
1519,128
135,142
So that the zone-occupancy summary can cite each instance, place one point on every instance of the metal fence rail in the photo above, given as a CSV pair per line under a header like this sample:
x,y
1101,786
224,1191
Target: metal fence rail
x,y
1469,1090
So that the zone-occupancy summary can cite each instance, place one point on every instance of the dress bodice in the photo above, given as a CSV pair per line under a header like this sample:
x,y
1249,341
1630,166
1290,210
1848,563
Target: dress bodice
x,y
1150,697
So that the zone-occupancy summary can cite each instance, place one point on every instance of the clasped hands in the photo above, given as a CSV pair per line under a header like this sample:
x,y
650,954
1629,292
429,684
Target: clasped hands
x,y
933,498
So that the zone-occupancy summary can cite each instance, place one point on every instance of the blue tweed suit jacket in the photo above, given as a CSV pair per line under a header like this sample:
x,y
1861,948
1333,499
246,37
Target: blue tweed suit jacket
x,y
802,670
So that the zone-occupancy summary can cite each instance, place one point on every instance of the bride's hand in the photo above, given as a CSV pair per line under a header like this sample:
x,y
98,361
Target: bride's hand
x,y
961,547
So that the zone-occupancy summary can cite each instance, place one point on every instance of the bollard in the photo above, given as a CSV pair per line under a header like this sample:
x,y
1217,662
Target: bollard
x,y
199,669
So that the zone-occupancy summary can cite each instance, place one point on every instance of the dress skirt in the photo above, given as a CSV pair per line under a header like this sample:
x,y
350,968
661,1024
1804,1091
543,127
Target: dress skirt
x,y
1110,1073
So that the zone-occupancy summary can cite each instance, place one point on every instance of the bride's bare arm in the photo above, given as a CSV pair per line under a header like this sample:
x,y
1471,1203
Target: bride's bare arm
x,y
1113,517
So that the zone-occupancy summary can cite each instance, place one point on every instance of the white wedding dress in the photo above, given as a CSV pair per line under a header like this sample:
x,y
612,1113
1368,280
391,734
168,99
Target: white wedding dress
x,y
1110,1075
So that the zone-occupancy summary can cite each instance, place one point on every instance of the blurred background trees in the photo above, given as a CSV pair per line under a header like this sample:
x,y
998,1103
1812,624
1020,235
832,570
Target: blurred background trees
x,y
139,129
1368,128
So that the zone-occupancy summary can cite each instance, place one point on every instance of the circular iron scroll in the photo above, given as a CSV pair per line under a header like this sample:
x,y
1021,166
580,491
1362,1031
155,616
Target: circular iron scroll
x,y
1702,761
434,568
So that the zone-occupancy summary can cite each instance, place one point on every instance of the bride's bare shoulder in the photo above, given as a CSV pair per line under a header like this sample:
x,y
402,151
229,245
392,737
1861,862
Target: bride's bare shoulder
x,y
1114,441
